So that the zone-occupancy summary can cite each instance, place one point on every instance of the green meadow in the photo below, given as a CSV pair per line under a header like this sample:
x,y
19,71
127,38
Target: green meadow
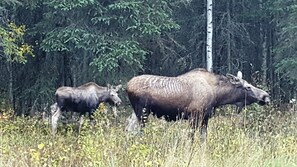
x,y
257,137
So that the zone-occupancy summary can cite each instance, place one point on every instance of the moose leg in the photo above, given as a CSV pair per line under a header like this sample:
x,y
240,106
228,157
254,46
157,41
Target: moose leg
x,y
239,109
91,117
144,116
203,130
204,124
81,121
55,118
141,113
115,111
193,125
132,123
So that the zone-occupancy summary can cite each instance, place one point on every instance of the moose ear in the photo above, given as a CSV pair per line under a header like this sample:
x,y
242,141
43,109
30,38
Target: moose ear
x,y
230,76
239,74
109,86
233,79
118,87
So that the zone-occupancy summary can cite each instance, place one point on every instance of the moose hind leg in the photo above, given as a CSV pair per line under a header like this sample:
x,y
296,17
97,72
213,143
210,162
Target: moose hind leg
x,y
55,118
142,114
81,121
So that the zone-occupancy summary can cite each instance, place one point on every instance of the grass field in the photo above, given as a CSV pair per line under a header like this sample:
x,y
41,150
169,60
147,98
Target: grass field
x,y
258,137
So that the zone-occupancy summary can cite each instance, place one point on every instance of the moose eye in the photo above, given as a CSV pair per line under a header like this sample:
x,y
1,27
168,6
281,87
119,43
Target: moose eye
x,y
248,88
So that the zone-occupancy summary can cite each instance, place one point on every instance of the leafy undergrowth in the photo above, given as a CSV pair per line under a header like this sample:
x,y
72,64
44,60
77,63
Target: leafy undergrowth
x,y
258,137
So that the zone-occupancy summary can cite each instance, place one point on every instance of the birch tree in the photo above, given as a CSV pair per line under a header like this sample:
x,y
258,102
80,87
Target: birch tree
x,y
209,36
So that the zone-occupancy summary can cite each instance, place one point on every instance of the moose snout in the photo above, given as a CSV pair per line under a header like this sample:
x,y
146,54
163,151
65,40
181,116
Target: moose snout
x,y
118,103
266,99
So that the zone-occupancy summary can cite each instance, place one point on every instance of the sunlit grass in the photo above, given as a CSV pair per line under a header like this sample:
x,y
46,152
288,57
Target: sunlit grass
x,y
258,137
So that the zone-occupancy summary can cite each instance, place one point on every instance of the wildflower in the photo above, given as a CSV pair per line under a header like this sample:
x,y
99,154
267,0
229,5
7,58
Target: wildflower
x,y
40,146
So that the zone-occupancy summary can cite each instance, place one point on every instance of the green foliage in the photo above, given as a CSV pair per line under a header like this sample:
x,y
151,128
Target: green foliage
x,y
143,18
111,32
41,91
111,41
288,67
11,40
286,54
69,4
126,53
10,2
68,39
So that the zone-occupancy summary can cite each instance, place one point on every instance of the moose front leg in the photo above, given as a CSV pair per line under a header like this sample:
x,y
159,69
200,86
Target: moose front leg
x,y
203,131
204,124
194,123
199,120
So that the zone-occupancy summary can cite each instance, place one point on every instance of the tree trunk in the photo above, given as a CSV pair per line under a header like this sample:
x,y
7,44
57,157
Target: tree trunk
x,y
85,67
272,76
10,83
229,37
263,38
209,37
264,58
61,70
67,70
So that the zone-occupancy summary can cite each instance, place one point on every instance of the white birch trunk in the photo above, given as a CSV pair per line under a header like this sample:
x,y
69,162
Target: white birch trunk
x,y
264,50
209,36
229,37
264,62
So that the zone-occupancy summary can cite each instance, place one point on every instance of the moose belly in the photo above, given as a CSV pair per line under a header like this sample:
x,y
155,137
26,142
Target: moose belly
x,y
168,112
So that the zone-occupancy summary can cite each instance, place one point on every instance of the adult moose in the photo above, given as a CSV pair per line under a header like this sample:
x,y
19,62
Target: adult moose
x,y
83,99
192,96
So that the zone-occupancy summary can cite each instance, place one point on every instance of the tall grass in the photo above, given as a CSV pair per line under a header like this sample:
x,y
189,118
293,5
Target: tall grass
x,y
258,137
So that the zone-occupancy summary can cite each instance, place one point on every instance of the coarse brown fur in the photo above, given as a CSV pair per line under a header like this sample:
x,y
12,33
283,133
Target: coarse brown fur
x,y
192,95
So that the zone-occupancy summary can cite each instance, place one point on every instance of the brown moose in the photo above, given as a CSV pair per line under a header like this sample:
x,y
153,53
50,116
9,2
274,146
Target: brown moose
x,y
191,96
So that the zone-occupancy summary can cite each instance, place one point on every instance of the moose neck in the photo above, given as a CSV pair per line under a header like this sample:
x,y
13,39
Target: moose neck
x,y
228,95
103,95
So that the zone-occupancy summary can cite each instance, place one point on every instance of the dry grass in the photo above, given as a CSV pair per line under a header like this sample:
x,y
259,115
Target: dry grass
x,y
260,137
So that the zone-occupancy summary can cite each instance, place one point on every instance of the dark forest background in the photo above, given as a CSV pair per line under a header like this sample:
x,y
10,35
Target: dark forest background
x,y
45,44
